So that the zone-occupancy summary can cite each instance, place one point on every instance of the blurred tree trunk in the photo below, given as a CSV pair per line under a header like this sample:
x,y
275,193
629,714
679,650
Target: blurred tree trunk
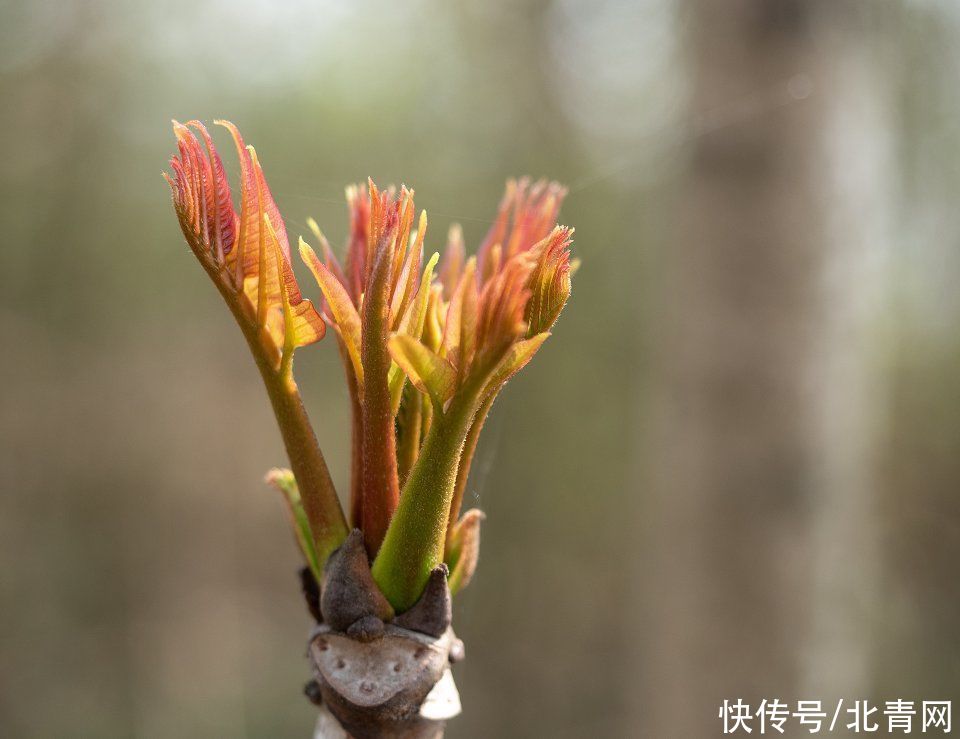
x,y
760,514
921,641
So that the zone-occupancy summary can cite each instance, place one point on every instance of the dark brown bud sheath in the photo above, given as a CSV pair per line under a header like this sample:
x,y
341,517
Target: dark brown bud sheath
x,y
434,611
349,593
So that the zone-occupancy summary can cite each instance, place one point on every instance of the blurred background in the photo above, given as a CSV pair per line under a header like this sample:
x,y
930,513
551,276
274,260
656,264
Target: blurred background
x,y
732,473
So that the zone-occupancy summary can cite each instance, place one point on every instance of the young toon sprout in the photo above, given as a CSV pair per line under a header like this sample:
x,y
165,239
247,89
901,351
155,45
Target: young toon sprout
x,y
427,344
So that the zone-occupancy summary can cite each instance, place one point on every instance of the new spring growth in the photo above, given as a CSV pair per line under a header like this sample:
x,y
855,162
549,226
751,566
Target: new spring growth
x,y
426,343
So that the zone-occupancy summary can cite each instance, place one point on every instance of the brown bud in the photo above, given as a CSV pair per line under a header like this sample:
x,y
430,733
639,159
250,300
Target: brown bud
x,y
349,592
433,613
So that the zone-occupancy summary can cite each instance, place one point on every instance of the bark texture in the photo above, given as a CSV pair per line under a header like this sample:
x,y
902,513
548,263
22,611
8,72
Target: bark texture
x,y
399,685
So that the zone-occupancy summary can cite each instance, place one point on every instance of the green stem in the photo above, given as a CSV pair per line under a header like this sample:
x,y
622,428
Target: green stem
x,y
319,496
285,482
317,492
409,430
415,539
463,470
